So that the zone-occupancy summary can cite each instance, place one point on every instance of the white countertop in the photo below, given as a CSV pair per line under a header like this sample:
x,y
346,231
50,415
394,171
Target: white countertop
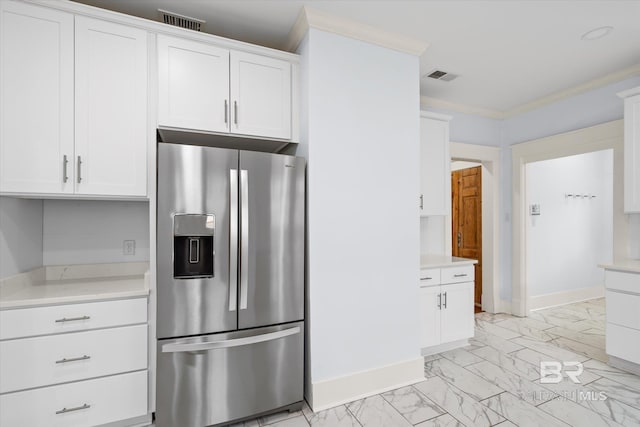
x,y
626,264
438,261
73,284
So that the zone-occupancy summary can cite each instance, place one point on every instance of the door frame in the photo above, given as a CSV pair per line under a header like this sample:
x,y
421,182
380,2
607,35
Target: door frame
x,y
605,136
489,158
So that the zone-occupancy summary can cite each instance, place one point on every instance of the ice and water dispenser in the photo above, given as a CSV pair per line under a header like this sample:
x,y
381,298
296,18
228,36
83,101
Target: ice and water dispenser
x,y
193,254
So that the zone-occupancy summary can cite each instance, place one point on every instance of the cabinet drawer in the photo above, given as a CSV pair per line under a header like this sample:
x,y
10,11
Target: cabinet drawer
x,y
43,361
429,277
102,401
623,309
623,342
621,281
26,322
464,273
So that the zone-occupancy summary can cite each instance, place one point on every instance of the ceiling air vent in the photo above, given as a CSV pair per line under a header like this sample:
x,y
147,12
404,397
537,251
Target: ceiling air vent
x,y
442,75
181,21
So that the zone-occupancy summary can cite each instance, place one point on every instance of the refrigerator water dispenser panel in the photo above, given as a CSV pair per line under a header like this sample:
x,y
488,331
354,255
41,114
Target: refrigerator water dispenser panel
x,y
193,254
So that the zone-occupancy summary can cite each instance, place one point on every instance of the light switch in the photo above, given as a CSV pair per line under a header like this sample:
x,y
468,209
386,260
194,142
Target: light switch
x,y
534,209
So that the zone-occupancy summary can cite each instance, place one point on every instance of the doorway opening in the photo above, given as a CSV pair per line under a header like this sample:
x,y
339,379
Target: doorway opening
x,y
466,218
588,140
488,158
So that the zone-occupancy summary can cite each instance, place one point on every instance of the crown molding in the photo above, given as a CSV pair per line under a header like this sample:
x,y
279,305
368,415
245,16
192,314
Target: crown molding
x,y
313,18
632,71
427,102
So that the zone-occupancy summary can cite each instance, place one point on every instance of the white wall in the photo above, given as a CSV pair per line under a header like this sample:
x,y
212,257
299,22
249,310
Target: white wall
x,y
88,232
572,235
20,235
361,140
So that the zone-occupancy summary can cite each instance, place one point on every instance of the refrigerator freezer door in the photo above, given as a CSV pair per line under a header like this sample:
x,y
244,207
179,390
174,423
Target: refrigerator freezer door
x,y
272,189
223,377
195,182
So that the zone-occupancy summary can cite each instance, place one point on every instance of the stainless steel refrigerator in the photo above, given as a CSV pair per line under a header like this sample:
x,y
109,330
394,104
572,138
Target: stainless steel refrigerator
x,y
230,281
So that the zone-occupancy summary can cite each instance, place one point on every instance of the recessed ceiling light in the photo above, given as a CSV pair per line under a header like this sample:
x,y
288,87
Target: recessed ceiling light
x,y
596,33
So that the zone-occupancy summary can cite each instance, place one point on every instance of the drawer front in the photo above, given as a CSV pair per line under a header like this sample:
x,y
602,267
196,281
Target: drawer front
x,y
27,322
623,309
621,281
42,361
464,273
429,277
623,342
96,402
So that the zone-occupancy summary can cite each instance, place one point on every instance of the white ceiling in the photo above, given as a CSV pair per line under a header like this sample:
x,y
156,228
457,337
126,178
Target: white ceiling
x,y
508,53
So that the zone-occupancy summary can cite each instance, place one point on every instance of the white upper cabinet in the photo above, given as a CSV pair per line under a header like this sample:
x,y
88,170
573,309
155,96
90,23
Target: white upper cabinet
x,y
36,99
631,150
206,88
73,105
261,96
111,109
435,165
193,85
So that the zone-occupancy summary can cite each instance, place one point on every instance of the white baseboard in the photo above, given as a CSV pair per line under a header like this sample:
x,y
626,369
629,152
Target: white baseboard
x,y
566,297
338,391
625,365
444,347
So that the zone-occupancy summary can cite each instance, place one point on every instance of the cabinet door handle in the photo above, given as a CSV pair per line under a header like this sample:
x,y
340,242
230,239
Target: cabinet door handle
x,y
226,112
235,112
426,278
77,408
460,275
73,359
439,301
72,319
79,169
444,303
65,163
421,201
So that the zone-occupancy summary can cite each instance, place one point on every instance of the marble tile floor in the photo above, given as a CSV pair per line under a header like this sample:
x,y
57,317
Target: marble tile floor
x,y
496,380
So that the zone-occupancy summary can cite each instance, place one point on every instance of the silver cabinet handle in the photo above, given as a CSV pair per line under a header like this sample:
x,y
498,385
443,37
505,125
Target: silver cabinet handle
x,y
72,319
226,112
65,163
440,301
444,303
421,202
79,169
77,408
244,238
74,359
426,278
235,112
460,275
233,239
237,342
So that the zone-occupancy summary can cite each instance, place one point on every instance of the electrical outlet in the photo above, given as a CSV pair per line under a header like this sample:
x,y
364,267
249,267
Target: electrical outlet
x,y
128,247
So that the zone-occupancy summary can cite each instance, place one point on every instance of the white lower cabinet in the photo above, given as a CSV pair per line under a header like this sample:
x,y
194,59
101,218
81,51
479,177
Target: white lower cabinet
x,y
623,315
78,404
74,365
446,307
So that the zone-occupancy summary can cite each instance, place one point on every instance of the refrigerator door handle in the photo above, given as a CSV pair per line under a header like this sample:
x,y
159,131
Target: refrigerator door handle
x,y
244,238
233,239
237,342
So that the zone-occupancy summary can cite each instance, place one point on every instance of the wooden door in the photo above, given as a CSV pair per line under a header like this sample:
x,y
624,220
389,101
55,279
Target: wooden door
x,y
466,202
